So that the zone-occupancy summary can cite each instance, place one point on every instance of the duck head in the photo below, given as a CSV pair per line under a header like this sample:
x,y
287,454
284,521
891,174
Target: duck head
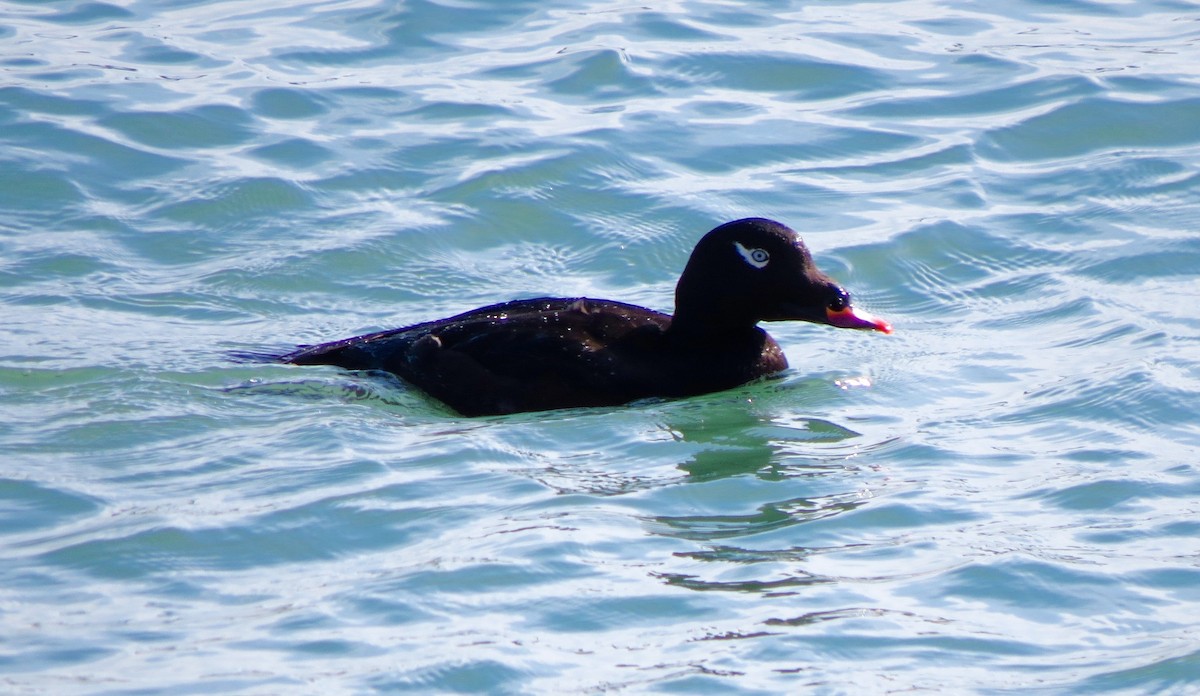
x,y
753,270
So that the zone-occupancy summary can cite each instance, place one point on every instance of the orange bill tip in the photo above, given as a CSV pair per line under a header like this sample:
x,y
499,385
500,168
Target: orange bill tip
x,y
851,318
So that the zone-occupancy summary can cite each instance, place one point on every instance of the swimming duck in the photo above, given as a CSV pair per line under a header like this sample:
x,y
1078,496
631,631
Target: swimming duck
x,y
551,353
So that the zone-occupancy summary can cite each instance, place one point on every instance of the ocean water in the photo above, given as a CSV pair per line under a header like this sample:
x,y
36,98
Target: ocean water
x,y
1002,496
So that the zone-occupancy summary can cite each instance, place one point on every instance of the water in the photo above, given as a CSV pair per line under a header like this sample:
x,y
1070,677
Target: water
x,y
1001,496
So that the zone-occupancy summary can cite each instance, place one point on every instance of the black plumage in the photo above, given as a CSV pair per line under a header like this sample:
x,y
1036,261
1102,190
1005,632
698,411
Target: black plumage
x,y
548,353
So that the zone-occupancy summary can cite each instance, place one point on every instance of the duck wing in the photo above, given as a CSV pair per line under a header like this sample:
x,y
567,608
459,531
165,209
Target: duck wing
x,y
525,355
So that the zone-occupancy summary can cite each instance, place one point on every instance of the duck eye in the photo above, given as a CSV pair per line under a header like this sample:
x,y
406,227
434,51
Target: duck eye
x,y
759,258
840,299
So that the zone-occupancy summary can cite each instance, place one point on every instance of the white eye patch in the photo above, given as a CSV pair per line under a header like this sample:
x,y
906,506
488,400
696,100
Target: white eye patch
x,y
758,258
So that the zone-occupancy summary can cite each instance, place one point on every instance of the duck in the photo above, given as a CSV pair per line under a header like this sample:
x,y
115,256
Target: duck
x,y
551,353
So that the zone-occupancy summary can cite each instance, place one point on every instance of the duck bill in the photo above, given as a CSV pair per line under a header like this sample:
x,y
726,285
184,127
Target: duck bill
x,y
851,318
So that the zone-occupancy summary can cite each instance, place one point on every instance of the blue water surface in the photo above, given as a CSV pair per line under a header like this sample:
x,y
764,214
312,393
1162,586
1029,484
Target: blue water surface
x,y
1001,496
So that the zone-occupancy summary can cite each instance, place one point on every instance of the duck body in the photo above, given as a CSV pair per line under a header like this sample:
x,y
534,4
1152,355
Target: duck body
x,y
550,353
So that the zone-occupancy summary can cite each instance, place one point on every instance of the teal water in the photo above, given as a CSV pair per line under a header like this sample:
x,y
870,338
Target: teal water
x,y
1000,497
